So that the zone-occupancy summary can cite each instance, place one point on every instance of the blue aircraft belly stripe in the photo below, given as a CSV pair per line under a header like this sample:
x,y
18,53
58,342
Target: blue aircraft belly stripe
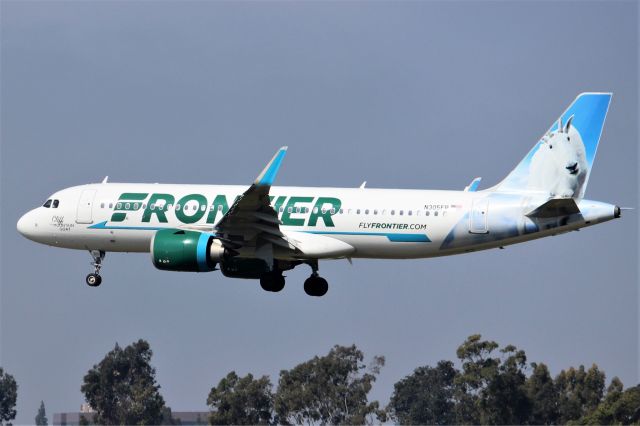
x,y
396,238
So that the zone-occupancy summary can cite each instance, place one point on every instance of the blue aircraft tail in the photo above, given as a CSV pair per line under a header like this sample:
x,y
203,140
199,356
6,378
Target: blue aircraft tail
x,y
560,163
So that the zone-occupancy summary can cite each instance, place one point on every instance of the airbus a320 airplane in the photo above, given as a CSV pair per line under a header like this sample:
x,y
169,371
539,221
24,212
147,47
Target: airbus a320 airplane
x,y
261,231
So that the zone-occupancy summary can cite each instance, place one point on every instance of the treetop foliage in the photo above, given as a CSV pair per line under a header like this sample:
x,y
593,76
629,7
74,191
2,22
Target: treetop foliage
x,y
8,397
122,388
499,387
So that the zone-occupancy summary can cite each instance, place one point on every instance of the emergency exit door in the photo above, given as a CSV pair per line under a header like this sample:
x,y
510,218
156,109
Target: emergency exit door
x,y
478,219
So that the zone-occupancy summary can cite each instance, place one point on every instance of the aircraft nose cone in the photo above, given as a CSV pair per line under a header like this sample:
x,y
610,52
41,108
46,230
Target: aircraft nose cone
x,y
25,225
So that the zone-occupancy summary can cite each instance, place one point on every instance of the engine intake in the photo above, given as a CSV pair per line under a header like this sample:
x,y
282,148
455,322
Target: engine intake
x,y
189,251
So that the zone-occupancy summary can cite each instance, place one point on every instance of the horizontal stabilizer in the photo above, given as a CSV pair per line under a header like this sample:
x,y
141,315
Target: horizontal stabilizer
x,y
555,207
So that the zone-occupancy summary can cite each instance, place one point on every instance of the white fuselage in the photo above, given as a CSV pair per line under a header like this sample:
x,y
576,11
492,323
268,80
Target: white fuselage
x,y
377,223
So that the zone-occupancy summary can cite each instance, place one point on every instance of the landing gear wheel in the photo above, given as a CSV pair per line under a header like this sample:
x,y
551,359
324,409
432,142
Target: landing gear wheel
x,y
316,286
93,280
272,281
278,283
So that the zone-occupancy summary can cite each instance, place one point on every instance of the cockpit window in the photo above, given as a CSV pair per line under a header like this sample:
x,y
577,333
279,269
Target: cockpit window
x,y
55,203
47,204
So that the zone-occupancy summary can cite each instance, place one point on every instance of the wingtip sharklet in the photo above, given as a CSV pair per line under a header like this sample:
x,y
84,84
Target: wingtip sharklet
x,y
269,173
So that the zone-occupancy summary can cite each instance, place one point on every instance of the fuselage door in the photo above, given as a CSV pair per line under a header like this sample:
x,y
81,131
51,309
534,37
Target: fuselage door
x,y
85,205
478,216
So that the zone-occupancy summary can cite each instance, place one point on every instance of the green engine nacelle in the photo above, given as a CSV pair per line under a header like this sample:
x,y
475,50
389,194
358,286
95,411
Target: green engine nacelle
x,y
189,251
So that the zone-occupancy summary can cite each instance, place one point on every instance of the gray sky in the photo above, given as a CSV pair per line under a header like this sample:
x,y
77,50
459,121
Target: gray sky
x,y
412,94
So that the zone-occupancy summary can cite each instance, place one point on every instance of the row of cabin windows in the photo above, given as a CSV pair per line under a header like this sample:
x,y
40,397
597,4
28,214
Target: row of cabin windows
x,y
136,206
51,204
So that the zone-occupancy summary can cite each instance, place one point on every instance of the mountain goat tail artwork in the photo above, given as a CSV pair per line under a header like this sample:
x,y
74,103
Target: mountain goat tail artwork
x,y
560,163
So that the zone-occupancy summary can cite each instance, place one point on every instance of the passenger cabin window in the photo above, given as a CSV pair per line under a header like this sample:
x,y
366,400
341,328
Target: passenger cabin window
x,y
47,203
102,205
55,203
110,205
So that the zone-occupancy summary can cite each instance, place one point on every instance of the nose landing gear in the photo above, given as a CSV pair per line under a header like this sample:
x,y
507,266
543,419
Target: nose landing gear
x,y
94,279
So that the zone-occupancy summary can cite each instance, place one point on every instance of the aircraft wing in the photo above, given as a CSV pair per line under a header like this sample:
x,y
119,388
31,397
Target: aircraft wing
x,y
251,223
251,226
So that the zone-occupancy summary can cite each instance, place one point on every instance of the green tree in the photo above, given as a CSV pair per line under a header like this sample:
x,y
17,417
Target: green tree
x,y
41,417
122,388
491,388
241,401
426,396
543,396
580,392
8,396
331,389
618,407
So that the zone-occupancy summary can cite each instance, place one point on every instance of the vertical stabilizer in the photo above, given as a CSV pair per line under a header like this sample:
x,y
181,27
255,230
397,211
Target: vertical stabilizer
x,y
560,163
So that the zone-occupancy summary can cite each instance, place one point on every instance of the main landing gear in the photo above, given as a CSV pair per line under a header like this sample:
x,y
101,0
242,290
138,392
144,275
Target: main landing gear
x,y
94,280
272,281
315,285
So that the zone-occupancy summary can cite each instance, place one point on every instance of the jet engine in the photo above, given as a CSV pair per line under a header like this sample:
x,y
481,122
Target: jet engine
x,y
182,250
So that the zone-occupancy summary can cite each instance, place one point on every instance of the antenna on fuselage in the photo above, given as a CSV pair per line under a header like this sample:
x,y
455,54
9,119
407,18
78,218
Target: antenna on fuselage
x,y
106,179
363,184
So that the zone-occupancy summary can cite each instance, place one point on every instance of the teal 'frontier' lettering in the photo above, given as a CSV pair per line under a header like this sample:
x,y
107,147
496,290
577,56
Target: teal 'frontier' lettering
x,y
325,208
157,207
187,206
219,205
291,208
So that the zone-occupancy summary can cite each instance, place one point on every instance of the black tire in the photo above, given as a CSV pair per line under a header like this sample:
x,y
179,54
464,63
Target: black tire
x,y
93,280
308,286
266,282
278,283
272,281
322,286
316,286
